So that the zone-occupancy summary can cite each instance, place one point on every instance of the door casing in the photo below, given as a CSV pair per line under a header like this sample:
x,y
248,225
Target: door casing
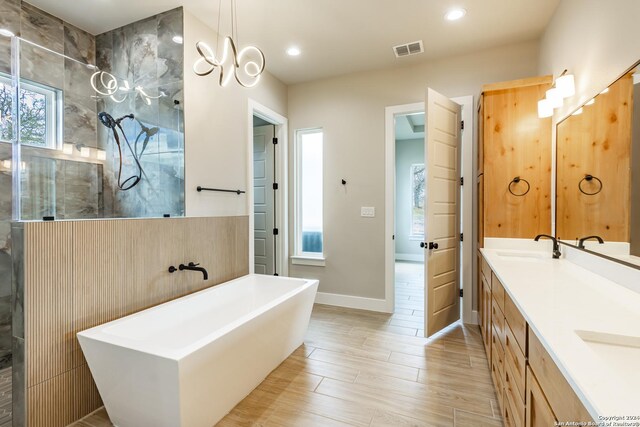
x,y
281,177
469,315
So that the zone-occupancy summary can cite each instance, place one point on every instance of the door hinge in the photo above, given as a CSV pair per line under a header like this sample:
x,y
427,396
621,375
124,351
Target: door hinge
x,y
275,231
275,185
461,292
393,237
275,141
462,124
461,237
461,180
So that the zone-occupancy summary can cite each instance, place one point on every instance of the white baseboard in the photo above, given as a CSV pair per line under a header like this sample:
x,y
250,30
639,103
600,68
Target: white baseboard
x,y
350,301
410,257
474,318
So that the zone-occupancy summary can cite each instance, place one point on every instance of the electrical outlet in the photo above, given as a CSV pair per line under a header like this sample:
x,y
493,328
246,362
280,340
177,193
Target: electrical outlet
x,y
368,212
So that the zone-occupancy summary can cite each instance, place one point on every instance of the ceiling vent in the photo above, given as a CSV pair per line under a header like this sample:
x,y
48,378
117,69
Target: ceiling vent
x,y
408,49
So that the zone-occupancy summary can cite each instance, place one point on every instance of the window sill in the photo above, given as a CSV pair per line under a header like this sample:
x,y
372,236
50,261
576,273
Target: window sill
x,y
305,260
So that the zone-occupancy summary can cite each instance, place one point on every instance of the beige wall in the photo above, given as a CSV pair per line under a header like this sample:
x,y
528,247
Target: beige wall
x,y
216,129
595,40
351,110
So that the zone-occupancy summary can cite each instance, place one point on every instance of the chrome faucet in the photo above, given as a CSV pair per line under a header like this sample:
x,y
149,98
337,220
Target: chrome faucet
x,y
584,239
556,245
191,267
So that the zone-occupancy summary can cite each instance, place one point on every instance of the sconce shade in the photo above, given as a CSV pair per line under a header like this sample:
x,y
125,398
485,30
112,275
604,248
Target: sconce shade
x,y
554,97
566,85
544,109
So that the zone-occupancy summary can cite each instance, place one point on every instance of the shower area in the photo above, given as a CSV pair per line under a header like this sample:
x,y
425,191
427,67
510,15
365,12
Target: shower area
x,y
91,126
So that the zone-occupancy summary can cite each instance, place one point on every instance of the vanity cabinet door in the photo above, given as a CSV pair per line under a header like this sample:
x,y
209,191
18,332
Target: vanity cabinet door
x,y
538,413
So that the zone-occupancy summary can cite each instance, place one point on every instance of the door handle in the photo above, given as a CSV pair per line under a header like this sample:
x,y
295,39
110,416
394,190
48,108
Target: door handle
x,y
430,245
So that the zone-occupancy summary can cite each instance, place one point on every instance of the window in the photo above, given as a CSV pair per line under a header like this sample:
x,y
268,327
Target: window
x,y
417,200
40,114
308,170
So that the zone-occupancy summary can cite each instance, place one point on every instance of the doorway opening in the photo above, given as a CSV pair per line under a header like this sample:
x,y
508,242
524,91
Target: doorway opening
x,y
410,273
409,220
264,197
267,192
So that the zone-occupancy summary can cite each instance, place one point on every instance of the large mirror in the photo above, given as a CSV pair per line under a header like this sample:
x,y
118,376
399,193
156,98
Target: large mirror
x,y
598,173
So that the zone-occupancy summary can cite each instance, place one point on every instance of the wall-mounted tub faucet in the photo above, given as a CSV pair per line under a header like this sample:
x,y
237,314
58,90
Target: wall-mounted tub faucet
x,y
194,267
556,246
584,239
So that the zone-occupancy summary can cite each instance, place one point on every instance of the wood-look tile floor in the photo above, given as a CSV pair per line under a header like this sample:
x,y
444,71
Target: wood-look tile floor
x,y
357,368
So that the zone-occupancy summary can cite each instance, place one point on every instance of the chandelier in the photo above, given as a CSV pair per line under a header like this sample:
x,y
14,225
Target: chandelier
x,y
245,65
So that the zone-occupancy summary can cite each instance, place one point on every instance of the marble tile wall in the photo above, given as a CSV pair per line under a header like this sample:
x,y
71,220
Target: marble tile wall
x,y
144,54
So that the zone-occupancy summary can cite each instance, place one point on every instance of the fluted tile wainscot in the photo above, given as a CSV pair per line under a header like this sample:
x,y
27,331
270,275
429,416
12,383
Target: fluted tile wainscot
x,y
73,275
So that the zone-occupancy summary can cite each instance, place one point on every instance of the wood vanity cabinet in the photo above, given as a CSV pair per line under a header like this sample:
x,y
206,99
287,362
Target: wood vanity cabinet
x,y
531,390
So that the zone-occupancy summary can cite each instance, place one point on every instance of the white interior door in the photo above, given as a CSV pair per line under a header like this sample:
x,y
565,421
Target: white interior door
x,y
263,199
442,212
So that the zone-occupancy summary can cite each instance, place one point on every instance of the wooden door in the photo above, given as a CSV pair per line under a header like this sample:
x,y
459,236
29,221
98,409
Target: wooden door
x,y
263,199
538,413
442,212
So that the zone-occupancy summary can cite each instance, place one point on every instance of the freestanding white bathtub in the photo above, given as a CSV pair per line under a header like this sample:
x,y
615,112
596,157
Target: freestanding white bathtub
x,y
188,362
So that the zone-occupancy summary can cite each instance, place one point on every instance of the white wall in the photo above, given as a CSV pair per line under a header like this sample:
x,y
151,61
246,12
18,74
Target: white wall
x,y
351,111
216,129
408,152
595,40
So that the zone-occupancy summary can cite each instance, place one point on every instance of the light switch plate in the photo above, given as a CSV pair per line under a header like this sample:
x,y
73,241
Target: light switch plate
x,y
368,211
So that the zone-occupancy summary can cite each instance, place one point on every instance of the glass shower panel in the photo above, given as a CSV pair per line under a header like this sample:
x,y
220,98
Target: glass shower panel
x,y
96,144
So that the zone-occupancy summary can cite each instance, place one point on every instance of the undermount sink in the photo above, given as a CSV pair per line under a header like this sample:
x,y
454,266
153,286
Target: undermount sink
x,y
606,338
620,353
522,256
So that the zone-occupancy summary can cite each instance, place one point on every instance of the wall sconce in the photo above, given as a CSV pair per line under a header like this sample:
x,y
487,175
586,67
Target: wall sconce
x,y
563,87
67,149
101,155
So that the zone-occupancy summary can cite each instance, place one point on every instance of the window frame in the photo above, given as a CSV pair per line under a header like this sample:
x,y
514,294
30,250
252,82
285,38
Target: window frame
x,y
412,235
299,257
54,111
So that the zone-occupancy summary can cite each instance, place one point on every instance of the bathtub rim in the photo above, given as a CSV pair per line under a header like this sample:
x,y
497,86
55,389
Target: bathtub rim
x,y
97,333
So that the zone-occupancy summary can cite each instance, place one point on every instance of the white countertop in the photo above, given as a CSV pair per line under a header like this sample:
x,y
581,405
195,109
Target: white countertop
x,y
557,298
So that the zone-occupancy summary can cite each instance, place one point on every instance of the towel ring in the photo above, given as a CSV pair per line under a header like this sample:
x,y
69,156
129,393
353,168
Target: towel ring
x,y
516,180
589,178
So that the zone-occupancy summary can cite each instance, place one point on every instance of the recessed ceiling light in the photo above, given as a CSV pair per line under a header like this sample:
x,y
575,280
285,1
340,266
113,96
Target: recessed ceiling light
x,y
6,33
293,51
455,14
177,39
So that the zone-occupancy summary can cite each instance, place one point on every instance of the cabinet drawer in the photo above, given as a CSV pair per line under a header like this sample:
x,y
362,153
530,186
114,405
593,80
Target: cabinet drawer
x,y
497,352
497,290
514,357
516,322
538,411
497,320
512,398
561,397
485,269
497,379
